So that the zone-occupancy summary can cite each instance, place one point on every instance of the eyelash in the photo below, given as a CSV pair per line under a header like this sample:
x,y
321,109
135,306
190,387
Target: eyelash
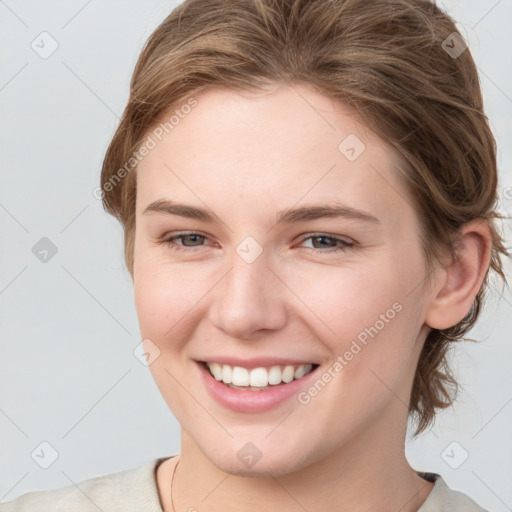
x,y
169,242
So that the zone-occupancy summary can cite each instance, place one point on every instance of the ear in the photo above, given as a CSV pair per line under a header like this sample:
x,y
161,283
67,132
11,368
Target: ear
x,y
460,280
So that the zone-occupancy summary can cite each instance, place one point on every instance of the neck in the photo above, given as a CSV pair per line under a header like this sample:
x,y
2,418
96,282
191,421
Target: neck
x,y
369,473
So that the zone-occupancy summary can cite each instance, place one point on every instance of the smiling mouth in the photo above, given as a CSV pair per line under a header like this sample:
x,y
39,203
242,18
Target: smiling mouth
x,y
257,379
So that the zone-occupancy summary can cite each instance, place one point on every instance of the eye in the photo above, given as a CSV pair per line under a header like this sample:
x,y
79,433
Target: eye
x,y
327,243
195,240
320,240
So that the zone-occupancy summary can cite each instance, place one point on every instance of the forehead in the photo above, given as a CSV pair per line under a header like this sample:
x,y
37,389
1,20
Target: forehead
x,y
283,145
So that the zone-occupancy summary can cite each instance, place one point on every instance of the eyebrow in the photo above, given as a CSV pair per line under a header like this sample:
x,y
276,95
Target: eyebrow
x,y
289,215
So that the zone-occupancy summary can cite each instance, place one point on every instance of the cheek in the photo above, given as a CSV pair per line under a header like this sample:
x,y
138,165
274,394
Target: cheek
x,y
366,315
164,294
373,321
344,300
167,300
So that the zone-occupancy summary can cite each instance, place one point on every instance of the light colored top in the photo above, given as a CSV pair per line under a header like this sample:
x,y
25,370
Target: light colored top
x,y
135,490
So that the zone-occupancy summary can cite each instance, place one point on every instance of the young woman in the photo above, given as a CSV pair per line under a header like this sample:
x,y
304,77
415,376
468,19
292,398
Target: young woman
x,y
307,190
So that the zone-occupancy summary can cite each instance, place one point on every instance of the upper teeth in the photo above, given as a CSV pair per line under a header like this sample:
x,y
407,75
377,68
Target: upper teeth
x,y
257,377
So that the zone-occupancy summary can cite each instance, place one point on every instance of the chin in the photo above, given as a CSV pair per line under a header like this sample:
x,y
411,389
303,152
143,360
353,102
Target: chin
x,y
276,464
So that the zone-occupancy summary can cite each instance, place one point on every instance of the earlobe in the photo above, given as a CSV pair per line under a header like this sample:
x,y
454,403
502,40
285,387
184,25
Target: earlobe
x,y
462,278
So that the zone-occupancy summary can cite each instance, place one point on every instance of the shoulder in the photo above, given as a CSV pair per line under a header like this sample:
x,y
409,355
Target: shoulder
x,y
126,490
442,498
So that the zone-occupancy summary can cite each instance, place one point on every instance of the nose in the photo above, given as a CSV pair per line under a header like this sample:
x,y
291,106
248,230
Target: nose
x,y
249,299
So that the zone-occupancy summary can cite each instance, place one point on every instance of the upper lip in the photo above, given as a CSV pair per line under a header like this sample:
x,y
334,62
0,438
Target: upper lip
x,y
256,362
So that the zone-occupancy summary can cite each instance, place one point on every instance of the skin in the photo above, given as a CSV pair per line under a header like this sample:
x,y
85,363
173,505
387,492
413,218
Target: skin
x,y
245,157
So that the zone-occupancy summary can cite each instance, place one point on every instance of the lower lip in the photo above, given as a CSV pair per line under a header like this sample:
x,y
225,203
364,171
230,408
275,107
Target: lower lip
x,y
251,401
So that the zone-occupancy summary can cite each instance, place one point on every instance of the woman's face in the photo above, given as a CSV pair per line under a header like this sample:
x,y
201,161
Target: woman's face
x,y
299,246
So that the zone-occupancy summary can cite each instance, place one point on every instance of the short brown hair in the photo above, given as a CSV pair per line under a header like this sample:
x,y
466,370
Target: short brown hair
x,y
388,60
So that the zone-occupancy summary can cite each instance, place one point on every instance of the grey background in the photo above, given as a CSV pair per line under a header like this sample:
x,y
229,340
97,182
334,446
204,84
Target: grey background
x,y
68,327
